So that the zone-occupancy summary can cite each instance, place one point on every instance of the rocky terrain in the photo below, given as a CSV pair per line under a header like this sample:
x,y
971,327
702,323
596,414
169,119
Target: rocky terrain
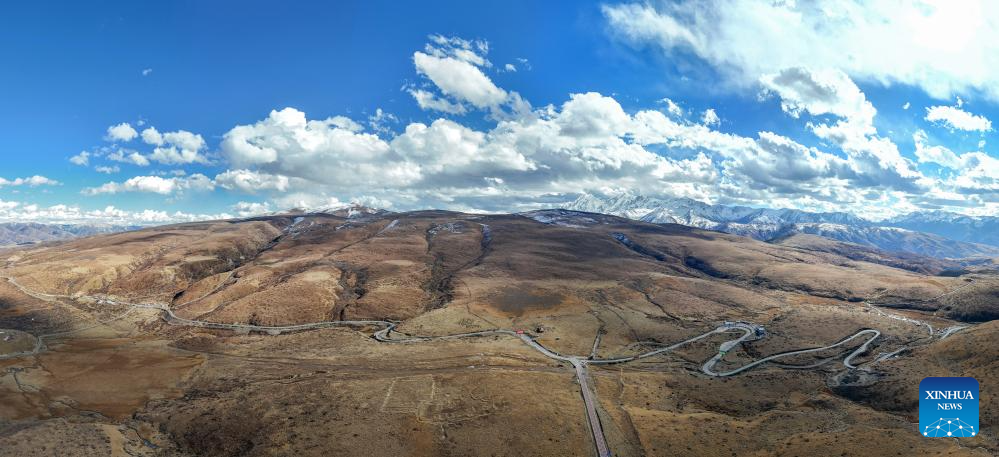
x,y
442,333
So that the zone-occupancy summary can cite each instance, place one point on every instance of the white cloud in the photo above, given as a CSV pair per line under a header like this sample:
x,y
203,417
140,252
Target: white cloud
x,y
581,145
455,66
128,156
459,79
588,144
82,159
945,48
171,148
592,114
380,120
979,175
180,147
430,102
710,117
288,144
927,153
523,157
511,68
152,136
819,92
32,181
248,209
251,181
121,132
107,169
154,184
672,107
876,161
957,118
72,214
906,105
147,71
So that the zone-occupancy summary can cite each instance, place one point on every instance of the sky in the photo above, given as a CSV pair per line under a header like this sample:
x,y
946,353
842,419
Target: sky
x,y
147,113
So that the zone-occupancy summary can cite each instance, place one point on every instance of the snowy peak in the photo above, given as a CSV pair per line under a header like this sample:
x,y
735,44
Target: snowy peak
x,y
691,212
937,234
348,211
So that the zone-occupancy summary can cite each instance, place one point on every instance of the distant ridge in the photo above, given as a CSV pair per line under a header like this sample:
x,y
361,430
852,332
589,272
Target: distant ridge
x,y
19,233
936,234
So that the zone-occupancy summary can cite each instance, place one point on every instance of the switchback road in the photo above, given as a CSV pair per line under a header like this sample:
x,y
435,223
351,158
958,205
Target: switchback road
x,y
387,331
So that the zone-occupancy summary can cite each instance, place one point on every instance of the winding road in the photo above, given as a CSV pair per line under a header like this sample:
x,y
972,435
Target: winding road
x,y
385,334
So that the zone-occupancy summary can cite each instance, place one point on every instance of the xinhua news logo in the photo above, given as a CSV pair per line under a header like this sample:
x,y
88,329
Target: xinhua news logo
x,y
948,407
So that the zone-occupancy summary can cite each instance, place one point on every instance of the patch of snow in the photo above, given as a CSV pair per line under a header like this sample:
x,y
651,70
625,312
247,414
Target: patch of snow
x,y
452,227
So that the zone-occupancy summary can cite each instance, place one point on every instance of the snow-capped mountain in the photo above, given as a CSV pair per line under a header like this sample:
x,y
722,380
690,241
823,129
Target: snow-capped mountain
x,y
925,234
981,229
698,214
351,211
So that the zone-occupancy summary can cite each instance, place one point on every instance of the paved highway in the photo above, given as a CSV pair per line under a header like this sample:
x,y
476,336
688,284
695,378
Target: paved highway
x,y
708,367
589,400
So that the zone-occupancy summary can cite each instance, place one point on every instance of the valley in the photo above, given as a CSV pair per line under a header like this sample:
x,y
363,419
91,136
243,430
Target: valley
x,y
438,333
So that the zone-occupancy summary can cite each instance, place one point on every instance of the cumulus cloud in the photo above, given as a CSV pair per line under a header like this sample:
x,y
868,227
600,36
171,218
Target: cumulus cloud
x,y
591,144
152,136
121,132
428,101
583,143
927,153
524,157
819,92
32,181
170,148
128,156
72,214
288,144
82,159
179,148
252,182
831,92
957,118
979,176
154,184
248,209
710,117
454,66
672,108
882,42
975,177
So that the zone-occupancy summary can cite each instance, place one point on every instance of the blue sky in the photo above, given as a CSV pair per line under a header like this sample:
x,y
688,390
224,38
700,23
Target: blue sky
x,y
261,106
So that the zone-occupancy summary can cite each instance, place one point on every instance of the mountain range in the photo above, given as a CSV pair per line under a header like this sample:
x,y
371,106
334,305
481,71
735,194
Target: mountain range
x,y
936,233
15,233
314,333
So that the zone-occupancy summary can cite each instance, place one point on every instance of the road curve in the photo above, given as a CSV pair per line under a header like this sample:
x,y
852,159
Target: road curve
x,y
387,331
708,367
